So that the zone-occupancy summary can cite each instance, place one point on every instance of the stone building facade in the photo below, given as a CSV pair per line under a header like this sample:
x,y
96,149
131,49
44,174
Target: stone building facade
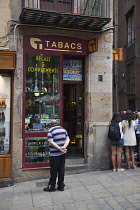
x,y
126,72
95,97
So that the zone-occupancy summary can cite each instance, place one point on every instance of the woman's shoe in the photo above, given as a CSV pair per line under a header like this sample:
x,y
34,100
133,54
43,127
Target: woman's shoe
x,y
114,169
120,169
128,167
133,167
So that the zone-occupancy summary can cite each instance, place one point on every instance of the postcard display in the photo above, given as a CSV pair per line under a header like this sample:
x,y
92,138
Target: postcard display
x,y
5,97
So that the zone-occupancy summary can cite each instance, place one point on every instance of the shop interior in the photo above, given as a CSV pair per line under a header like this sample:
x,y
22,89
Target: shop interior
x,y
73,118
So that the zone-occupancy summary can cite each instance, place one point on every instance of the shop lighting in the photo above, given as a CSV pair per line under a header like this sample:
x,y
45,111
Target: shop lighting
x,y
36,93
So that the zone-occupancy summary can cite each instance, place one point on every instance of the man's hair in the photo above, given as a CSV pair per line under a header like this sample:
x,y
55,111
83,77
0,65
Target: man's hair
x,y
54,122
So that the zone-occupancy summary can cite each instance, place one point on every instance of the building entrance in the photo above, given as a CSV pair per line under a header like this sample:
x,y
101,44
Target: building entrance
x,y
73,118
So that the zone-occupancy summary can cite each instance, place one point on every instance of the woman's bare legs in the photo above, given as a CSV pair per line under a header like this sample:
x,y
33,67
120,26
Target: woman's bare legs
x,y
127,155
119,153
132,155
113,156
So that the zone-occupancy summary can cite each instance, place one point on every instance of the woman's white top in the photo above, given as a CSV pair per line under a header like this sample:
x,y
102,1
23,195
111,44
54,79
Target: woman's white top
x,y
120,124
129,135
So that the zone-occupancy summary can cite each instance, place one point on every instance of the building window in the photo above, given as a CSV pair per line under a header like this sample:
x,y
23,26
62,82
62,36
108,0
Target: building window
x,y
130,28
131,104
130,79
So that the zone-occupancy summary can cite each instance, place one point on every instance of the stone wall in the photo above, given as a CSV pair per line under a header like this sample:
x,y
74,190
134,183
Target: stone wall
x,y
5,17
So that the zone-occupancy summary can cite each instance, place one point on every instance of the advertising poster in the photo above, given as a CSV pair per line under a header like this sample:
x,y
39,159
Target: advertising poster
x,y
72,70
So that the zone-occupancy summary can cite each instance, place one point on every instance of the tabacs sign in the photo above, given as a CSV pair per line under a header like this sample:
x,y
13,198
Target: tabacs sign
x,y
40,44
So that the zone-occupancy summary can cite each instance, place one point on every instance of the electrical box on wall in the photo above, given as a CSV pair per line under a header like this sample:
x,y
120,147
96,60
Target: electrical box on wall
x,y
100,78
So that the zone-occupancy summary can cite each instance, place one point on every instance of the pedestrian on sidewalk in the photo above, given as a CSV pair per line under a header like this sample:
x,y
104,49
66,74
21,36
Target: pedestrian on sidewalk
x,y
117,143
138,135
58,141
129,138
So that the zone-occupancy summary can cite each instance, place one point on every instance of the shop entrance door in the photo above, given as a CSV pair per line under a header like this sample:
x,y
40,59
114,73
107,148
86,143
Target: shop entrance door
x,y
73,118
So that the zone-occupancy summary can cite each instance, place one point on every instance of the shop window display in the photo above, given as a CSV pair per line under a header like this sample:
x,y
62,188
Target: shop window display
x,y
42,104
37,150
5,97
42,92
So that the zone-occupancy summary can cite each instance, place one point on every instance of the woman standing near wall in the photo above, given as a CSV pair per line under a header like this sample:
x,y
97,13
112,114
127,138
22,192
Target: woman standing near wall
x,y
129,138
117,145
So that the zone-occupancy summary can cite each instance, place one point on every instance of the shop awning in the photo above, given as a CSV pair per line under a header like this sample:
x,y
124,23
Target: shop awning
x,y
62,20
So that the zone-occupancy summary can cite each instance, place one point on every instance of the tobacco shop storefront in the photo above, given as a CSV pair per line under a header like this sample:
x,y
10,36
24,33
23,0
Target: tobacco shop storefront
x,y
53,89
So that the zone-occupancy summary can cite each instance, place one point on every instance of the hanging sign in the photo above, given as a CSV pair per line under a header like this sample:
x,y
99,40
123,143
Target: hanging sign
x,y
117,54
93,45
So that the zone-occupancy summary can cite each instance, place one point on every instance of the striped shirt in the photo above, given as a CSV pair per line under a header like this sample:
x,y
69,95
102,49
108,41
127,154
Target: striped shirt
x,y
59,136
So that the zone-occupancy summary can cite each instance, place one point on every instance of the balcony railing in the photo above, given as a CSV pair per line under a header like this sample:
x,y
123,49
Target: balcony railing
x,y
130,50
98,8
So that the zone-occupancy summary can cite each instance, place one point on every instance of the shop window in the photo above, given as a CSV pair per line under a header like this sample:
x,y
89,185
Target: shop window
x,y
5,108
42,92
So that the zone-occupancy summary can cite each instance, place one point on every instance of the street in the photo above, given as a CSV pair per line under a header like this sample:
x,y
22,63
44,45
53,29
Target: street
x,y
104,190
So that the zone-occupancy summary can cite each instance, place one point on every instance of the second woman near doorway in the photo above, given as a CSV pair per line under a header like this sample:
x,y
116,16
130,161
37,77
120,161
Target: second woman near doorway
x,y
129,138
116,146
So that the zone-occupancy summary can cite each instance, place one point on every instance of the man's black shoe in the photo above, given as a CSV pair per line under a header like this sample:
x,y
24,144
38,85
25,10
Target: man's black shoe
x,y
60,188
49,189
138,165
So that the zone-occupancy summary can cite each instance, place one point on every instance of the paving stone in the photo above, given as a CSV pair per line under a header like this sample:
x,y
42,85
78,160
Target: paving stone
x,y
48,207
5,204
100,201
105,207
80,205
111,201
81,196
126,204
74,187
102,195
118,207
62,197
69,206
132,198
137,195
137,205
92,204
22,206
41,201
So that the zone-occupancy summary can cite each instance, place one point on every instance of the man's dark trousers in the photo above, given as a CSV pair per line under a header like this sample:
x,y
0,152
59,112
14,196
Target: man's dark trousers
x,y
57,164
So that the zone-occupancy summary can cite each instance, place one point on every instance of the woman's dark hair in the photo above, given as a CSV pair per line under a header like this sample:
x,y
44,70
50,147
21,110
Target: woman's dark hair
x,y
129,116
116,117
122,113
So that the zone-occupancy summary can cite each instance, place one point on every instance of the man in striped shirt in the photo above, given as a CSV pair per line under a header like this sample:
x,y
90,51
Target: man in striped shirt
x,y
58,141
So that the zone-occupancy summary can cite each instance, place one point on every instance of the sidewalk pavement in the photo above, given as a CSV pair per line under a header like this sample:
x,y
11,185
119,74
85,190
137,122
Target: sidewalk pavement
x,y
104,190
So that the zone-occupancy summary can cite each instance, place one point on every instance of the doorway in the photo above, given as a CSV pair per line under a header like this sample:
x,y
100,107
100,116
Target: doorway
x,y
73,118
